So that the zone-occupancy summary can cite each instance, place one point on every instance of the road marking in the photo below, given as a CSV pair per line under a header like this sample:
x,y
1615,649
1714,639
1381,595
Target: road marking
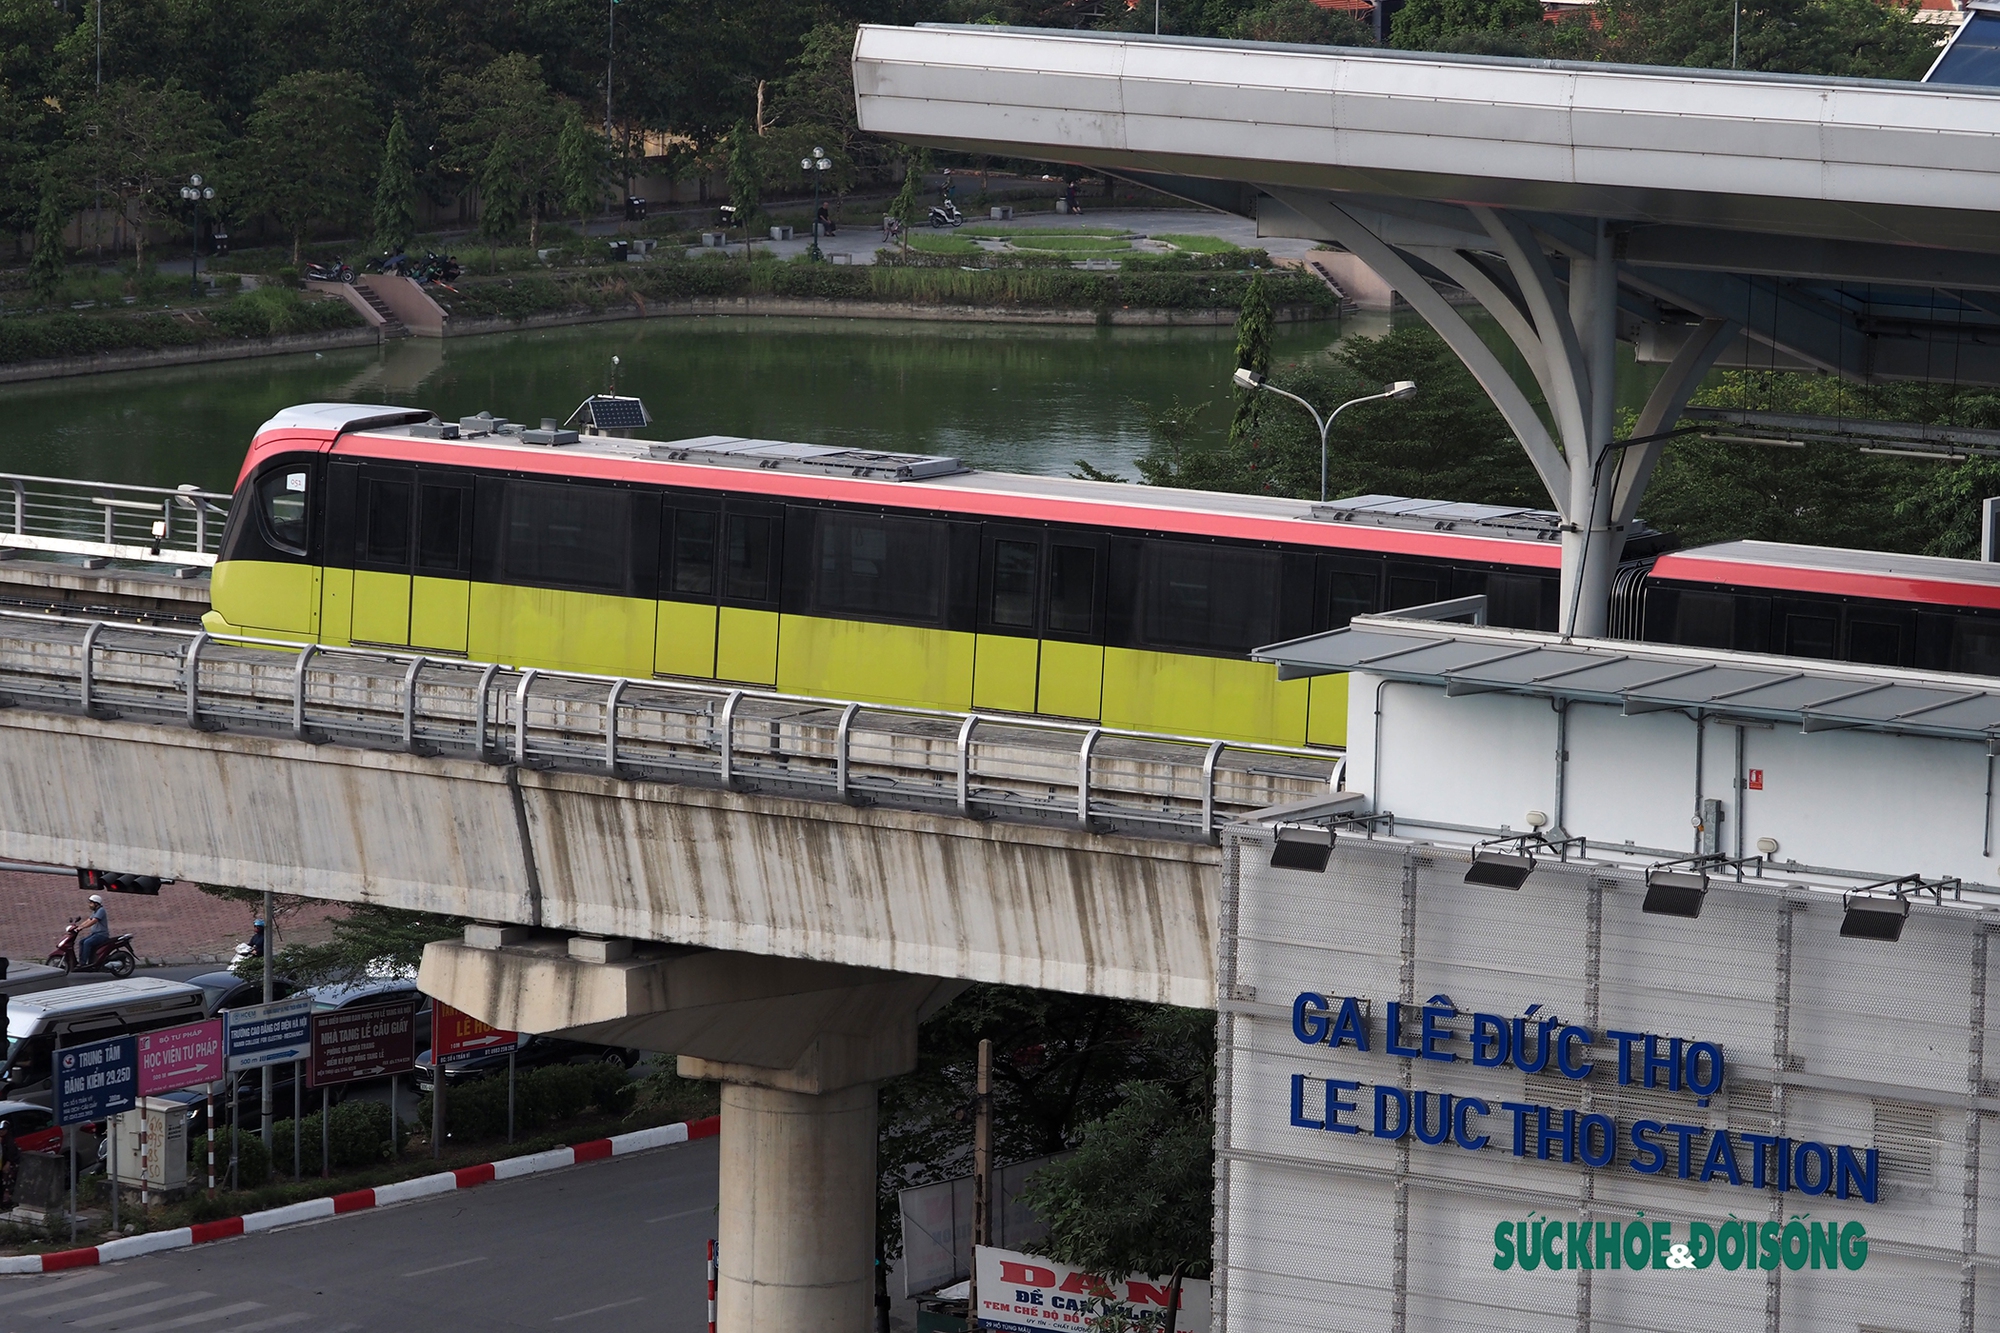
x,y
166,1303
201,1317
116,1293
279,1321
687,1212
37,1290
596,1309
421,1272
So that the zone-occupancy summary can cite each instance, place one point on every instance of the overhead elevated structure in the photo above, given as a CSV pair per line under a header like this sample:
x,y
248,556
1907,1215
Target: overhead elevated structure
x,y
1708,217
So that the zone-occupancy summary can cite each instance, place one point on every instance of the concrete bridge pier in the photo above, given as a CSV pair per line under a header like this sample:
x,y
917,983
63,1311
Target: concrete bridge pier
x,y
798,1046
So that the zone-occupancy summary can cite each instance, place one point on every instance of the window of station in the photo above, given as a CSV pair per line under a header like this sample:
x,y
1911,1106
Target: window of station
x,y
281,506
1072,589
1016,565
566,536
1209,598
874,565
692,549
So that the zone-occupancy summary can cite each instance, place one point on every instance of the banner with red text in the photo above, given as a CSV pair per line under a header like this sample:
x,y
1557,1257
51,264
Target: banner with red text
x,y
1025,1293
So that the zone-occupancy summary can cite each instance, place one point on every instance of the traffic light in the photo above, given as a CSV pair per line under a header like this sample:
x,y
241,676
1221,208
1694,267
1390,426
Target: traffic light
x,y
105,881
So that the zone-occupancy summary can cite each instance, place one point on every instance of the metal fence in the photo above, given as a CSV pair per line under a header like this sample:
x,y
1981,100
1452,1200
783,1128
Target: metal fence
x,y
110,520
1024,769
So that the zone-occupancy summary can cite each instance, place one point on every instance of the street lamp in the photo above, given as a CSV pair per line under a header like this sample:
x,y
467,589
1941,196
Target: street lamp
x,y
194,192
813,166
1247,378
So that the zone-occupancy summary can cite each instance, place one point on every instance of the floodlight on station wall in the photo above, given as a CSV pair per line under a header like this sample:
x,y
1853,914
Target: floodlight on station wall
x,y
1500,870
1874,918
1675,892
1302,849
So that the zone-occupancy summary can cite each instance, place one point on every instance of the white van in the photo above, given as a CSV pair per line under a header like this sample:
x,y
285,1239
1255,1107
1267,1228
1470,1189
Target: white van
x,y
38,1023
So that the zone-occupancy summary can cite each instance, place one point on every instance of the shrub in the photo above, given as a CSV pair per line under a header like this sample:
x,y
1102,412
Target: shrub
x,y
1201,245
357,1134
73,335
253,1165
270,312
542,1097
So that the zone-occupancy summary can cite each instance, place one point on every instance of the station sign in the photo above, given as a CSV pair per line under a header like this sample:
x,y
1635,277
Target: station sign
x,y
454,1033
96,1081
182,1057
269,1034
349,1045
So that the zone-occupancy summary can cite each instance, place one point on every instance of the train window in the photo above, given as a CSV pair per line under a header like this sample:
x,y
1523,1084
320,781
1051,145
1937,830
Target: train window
x,y
568,536
443,523
385,521
1353,588
1014,582
1414,585
1705,620
281,505
1975,646
750,574
1072,589
694,553
1218,598
1809,635
873,565
1515,600
1874,641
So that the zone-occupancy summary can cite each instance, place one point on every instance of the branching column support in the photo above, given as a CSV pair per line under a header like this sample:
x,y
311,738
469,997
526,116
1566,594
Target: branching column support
x,y
1569,340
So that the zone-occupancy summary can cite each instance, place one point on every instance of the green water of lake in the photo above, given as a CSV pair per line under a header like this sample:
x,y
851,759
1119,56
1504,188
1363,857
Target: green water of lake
x,y
1024,399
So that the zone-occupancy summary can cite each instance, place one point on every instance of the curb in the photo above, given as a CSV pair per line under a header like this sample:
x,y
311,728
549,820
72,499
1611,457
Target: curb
x,y
354,1201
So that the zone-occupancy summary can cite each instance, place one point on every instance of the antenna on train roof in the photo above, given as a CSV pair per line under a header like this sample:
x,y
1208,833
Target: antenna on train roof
x,y
614,377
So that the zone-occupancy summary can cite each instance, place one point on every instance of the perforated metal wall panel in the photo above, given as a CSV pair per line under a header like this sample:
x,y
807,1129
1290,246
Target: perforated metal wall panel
x,y
1849,1044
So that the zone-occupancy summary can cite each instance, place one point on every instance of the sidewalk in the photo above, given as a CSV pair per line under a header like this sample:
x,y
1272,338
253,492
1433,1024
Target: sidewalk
x,y
182,925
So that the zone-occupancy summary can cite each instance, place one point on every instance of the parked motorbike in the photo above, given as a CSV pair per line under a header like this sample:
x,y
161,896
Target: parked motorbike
x,y
397,262
946,214
115,957
338,271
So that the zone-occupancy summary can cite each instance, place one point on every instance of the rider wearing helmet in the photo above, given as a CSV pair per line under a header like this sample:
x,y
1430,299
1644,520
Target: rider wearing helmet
x,y
97,935
256,944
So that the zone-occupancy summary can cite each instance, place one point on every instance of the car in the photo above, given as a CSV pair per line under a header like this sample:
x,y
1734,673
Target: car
x,y
533,1052
375,990
35,1128
226,990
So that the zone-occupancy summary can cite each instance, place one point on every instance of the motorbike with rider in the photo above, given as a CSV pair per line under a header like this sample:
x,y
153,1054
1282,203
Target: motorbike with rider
x,y
89,946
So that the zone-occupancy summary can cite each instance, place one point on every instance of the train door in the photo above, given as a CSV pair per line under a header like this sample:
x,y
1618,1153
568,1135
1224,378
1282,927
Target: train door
x,y
1070,673
385,503
1007,649
746,622
441,586
684,630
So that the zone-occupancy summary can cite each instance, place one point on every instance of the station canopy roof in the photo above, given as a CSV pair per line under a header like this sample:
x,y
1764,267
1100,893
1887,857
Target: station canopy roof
x,y
1847,225
1650,678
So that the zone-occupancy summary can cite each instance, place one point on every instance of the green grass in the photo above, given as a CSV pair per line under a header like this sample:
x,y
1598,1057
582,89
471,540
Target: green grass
x,y
934,243
1086,245
1201,245
1016,233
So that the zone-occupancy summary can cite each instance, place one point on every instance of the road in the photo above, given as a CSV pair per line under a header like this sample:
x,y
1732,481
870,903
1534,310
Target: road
x,y
617,1244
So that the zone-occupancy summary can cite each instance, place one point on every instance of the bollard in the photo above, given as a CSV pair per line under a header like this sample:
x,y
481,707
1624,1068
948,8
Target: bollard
x,y
145,1162
211,1140
711,1287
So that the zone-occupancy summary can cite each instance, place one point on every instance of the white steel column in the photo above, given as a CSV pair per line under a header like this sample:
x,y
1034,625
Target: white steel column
x,y
1591,544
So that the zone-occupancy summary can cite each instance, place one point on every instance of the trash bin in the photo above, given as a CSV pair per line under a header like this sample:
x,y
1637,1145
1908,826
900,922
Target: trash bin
x,y
635,208
620,251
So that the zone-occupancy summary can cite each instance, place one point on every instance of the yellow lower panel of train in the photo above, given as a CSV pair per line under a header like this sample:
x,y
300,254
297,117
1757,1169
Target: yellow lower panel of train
x,y
1202,696
894,664
264,597
561,631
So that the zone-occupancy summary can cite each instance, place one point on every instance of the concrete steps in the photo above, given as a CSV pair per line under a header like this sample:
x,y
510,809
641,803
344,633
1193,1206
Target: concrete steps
x,y
391,326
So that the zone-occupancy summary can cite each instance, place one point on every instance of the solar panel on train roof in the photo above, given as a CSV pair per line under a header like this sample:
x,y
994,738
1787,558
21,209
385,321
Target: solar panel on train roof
x,y
823,459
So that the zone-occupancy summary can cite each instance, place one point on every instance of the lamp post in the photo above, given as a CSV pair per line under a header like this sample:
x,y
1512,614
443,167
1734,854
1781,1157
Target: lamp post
x,y
194,192
1249,379
813,166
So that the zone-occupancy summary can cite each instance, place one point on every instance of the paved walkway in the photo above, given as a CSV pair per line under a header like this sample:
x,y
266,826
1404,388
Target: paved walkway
x,y
182,925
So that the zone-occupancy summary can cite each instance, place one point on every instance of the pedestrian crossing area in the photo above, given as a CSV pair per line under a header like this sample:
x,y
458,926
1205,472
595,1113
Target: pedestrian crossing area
x,y
115,1301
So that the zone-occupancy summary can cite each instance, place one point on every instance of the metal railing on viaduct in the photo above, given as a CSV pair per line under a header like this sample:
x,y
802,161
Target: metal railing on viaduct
x,y
957,844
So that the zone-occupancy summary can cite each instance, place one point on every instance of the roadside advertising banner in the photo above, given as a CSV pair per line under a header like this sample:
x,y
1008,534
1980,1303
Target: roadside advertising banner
x,y
349,1045
181,1057
453,1033
96,1081
1025,1293
269,1034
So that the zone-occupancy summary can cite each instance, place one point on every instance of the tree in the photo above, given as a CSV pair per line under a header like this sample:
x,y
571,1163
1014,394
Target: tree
x,y
745,172
304,156
1302,22
908,205
1845,38
1253,351
582,160
503,130
370,940
1445,25
49,265
395,192
139,143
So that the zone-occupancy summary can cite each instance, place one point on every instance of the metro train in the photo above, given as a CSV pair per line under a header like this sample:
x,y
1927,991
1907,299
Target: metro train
x,y
909,579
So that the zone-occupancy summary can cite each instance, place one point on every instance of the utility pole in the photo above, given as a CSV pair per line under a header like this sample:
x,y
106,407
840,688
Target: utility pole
x,y
264,1075
982,1168
610,53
